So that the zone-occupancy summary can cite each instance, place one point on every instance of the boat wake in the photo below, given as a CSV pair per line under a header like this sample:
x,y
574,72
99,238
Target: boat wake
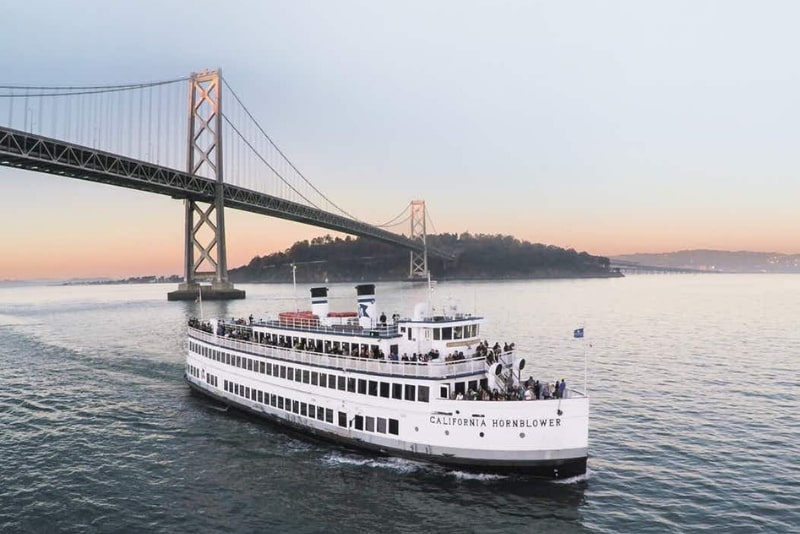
x,y
399,465
465,475
574,480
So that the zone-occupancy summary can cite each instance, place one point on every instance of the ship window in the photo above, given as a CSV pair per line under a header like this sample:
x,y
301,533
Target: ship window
x,y
273,399
247,393
305,377
290,373
351,385
320,413
303,409
362,386
443,392
269,368
314,378
346,349
447,333
296,406
373,388
298,375
423,393
437,334
225,385
397,391
236,389
312,410
359,423
283,371
261,367
323,379
370,424
409,392
409,334
341,383
473,385
343,419
328,415
457,332
249,364
460,388
332,382
381,425
238,361
280,403
385,389
227,359
394,427
260,396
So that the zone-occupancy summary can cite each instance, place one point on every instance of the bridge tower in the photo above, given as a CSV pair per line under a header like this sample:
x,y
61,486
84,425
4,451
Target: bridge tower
x,y
204,158
419,260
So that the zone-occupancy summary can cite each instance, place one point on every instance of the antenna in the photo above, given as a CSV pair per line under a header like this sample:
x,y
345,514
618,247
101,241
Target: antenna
x,y
430,292
294,284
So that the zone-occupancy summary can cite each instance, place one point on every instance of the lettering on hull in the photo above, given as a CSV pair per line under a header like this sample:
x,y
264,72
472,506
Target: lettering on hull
x,y
495,423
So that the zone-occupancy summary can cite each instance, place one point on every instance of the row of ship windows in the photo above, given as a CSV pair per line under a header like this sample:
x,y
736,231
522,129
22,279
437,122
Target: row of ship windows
x,y
381,425
208,377
409,392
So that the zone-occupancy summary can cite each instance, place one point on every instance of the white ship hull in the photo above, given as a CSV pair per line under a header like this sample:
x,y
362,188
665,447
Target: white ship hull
x,y
393,408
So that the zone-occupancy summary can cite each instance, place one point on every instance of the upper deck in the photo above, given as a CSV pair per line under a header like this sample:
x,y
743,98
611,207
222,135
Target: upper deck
x,y
424,370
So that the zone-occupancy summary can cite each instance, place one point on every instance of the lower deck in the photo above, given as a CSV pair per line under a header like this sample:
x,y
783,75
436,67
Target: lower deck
x,y
406,419
558,467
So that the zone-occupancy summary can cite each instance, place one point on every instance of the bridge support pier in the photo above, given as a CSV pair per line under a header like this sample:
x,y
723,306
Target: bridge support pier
x,y
418,260
204,158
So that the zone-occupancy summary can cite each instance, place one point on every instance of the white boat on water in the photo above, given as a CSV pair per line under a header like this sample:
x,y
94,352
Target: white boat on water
x,y
426,387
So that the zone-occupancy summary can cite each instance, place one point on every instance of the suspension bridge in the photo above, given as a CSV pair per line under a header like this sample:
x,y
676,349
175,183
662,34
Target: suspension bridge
x,y
160,138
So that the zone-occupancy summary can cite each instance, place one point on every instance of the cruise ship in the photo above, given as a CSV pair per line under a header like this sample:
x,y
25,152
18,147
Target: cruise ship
x,y
427,387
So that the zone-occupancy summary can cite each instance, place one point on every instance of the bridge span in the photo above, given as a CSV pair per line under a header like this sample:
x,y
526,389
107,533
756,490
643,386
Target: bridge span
x,y
203,186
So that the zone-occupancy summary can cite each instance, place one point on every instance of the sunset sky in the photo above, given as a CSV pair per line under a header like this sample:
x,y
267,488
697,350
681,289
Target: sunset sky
x,y
611,127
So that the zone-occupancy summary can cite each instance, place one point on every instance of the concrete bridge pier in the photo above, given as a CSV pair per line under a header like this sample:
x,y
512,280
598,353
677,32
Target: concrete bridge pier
x,y
214,291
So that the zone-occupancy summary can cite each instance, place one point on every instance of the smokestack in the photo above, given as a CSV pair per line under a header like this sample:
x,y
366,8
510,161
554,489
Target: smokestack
x,y
319,302
367,311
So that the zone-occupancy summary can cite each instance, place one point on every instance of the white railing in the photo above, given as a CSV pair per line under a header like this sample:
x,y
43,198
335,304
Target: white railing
x,y
309,325
350,363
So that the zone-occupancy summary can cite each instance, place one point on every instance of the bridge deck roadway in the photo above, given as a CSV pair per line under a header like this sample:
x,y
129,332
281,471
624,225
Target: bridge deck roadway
x,y
41,154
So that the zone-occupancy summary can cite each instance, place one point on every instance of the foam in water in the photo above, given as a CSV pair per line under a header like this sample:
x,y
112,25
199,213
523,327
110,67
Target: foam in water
x,y
464,475
574,480
400,465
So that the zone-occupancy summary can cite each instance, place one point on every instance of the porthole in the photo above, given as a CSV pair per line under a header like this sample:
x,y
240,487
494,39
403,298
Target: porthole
x,y
416,429
522,434
481,434
446,432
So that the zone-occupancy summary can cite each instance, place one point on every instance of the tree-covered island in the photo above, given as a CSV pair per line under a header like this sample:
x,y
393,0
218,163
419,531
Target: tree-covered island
x,y
478,257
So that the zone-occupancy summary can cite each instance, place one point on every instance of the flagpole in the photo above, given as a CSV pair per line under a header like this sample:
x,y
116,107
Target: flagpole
x,y
585,370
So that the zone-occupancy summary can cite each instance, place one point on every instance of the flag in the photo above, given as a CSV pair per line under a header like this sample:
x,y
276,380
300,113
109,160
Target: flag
x,y
578,332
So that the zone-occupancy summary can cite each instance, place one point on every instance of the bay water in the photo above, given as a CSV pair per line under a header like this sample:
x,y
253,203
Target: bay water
x,y
694,379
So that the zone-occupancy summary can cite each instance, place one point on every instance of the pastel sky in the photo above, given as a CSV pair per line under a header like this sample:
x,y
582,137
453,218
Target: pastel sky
x,y
611,127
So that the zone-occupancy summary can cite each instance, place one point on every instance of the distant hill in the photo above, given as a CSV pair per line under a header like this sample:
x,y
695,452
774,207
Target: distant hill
x,y
479,257
719,261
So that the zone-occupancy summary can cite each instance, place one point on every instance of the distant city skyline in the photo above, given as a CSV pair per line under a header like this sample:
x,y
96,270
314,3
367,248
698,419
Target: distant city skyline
x,y
618,128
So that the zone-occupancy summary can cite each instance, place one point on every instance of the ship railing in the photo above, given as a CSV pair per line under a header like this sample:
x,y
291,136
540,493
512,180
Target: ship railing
x,y
435,369
313,325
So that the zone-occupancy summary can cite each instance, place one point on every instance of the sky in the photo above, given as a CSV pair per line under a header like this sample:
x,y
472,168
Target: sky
x,y
611,127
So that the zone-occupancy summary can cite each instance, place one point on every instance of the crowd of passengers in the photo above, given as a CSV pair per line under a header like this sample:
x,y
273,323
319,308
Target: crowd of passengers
x,y
230,330
530,390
